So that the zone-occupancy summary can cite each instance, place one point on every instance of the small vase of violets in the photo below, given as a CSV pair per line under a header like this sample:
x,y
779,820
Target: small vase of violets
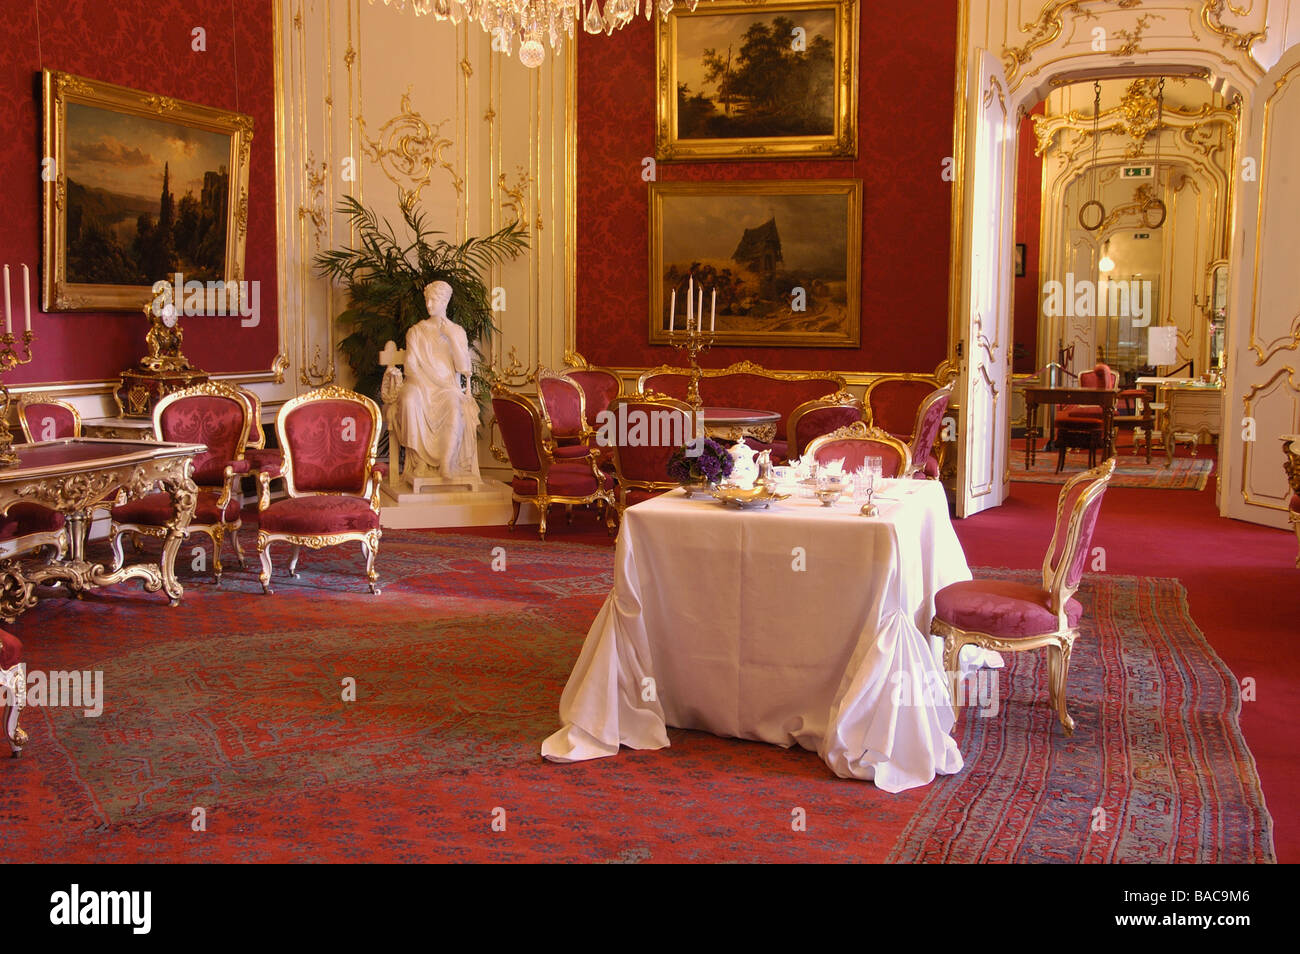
x,y
698,472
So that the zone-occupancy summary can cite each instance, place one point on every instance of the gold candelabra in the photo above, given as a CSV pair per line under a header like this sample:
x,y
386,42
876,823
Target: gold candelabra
x,y
10,359
694,341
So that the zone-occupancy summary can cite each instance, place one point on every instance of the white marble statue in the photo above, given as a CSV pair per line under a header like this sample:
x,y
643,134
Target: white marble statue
x,y
434,414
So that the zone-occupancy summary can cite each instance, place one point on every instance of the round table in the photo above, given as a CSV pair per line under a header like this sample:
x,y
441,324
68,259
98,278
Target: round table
x,y
734,423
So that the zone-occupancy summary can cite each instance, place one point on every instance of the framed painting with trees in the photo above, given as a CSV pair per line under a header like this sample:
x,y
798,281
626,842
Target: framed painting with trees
x,y
138,188
758,79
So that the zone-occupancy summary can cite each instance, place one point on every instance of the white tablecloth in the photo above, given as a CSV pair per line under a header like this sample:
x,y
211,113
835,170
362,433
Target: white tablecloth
x,y
712,626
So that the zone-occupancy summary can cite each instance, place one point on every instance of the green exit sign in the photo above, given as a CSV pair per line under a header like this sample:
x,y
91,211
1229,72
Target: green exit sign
x,y
1137,172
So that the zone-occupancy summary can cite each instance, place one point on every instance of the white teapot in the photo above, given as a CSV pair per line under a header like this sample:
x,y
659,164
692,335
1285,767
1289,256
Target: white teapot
x,y
744,466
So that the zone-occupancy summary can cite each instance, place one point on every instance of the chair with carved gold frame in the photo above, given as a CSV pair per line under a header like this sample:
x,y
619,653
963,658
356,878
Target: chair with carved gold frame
x,y
1291,464
599,385
13,691
813,419
564,409
259,456
925,433
858,441
42,419
641,467
47,419
330,441
1006,616
215,415
540,478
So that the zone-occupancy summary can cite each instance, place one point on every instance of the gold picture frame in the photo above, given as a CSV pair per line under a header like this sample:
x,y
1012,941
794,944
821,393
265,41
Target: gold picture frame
x,y
784,256
694,74
119,139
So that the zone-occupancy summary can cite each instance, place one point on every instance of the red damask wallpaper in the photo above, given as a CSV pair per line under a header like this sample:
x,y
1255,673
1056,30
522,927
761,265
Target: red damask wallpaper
x,y
144,44
1029,217
907,60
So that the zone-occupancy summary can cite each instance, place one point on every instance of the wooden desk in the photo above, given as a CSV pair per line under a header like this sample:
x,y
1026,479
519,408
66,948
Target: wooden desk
x,y
1188,407
72,476
1035,395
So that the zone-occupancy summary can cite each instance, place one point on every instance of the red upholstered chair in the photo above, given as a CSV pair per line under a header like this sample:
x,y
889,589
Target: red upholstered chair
x,y
47,419
564,409
1100,376
28,526
13,691
925,434
259,456
212,414
330,438
599,387
893,401
855,443
812,419
1014,617
641,460
540,478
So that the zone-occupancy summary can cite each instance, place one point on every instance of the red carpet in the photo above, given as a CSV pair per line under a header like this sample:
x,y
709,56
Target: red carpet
x,y
1242,588
231,703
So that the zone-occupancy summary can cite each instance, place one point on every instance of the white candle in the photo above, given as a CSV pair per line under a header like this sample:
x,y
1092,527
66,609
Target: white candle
x,y
27,295
699,311
690,302
9,324
672,313
713,311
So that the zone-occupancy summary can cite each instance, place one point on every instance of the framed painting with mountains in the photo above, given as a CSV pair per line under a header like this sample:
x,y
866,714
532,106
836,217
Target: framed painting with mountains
x,y
138,188
758,79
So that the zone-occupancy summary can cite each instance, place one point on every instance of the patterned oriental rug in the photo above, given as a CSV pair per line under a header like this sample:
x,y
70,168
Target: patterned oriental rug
x,y
1187,473
233,703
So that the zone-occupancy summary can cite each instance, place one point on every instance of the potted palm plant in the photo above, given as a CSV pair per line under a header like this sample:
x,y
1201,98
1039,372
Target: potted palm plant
x,y
386,275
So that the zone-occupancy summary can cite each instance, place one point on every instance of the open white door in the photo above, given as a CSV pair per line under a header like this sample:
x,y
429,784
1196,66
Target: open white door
x,y
984,386
1262,397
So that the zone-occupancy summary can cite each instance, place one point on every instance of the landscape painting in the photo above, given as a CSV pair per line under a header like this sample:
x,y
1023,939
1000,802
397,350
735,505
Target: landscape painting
x,y
759,80
145,187
778,263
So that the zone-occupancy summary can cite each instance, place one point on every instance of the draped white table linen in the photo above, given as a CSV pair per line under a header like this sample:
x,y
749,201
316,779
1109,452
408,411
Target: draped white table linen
x,y
795,625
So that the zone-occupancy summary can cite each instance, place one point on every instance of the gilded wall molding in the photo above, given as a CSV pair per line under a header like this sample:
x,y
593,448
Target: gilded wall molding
x,y
408,149
1212,17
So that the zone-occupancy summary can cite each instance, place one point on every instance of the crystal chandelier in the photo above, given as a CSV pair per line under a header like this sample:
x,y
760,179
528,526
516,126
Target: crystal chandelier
x,y
531,20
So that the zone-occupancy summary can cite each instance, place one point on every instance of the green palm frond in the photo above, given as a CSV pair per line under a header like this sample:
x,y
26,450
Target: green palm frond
x,y
385,276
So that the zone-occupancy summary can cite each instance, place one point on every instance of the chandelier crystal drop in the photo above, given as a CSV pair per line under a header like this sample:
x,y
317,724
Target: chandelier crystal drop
x,y
531,21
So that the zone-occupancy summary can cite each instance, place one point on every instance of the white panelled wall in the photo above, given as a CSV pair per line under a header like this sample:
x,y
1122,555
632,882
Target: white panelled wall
x,y
376,102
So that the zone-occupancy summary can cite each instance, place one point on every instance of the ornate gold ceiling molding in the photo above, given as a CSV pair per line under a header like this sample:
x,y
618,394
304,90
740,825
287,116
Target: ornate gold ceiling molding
x,y
1135,118
1048,27
408,149
1212,17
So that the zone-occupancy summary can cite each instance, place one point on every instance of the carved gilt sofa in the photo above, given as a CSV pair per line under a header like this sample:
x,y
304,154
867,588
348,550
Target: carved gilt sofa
x,y
748,385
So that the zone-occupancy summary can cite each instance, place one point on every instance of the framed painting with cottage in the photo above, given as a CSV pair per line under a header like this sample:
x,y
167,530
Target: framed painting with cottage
x,y
778,263
137,188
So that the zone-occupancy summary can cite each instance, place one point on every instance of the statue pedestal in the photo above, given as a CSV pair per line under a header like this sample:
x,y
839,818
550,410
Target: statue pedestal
x,y
442,502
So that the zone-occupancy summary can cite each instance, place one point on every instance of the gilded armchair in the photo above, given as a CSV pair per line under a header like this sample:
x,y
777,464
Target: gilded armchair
x,y
1015,617
330,439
